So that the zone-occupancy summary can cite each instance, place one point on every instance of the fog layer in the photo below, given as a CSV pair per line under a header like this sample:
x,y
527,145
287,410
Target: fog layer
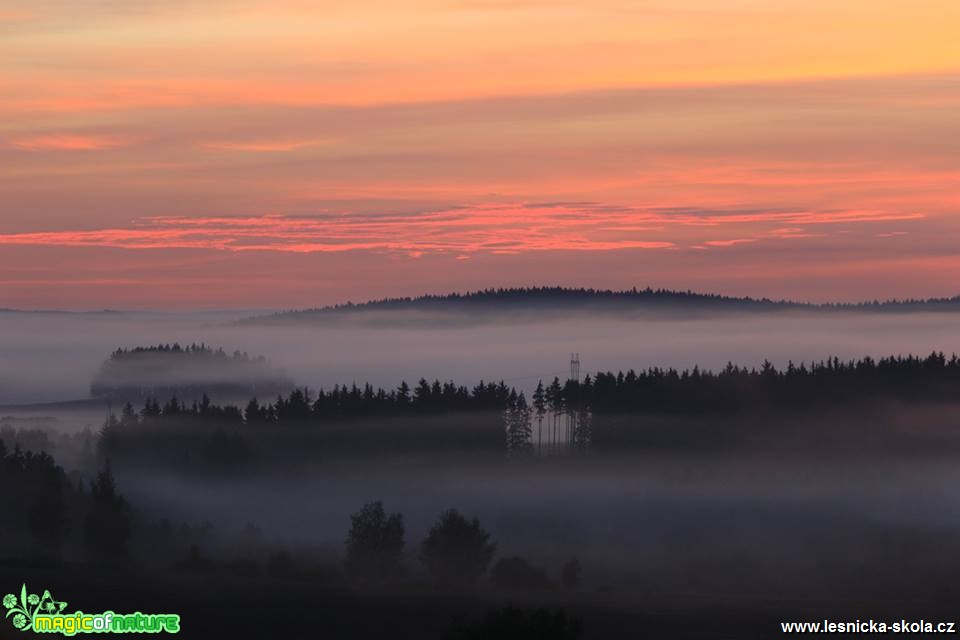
x,y
52,357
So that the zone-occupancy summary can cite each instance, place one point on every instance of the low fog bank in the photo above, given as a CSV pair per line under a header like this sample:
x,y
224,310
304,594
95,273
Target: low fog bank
x,y
855,500
827,503
48,357
53,357
665,523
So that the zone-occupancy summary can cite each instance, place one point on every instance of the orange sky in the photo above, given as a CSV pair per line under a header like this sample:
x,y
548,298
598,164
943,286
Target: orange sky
x,y
245,153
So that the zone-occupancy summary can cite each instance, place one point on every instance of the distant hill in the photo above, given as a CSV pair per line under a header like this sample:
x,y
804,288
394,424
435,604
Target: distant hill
x,y
533,299
59,312
187,373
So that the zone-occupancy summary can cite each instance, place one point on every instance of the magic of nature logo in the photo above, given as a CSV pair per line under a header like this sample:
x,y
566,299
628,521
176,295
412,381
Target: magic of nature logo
x,y
44,614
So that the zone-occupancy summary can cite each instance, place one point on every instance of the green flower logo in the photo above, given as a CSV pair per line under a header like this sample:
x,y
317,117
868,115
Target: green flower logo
x,y
26,607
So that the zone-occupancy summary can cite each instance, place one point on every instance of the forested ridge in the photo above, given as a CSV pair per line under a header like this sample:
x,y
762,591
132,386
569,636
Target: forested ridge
x,y
539,297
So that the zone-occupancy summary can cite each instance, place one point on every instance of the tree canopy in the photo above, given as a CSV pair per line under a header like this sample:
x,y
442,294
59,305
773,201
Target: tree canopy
x,y
457,551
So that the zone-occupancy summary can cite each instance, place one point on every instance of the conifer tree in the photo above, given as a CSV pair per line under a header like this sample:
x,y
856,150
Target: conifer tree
x,y
540,407
519,433
107,524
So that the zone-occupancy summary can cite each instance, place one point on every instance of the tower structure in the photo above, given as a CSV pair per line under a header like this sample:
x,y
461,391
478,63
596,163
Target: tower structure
x,y
575,367
573,402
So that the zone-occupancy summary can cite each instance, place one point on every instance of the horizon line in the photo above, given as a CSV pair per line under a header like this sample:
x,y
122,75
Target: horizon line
x,y
349,303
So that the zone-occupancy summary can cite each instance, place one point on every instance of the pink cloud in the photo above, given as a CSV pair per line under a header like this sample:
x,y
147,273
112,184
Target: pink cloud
x,y
260,146
69,142
500,229
728,243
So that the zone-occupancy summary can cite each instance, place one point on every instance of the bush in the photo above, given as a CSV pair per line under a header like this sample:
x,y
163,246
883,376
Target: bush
x,y
457,551
374,545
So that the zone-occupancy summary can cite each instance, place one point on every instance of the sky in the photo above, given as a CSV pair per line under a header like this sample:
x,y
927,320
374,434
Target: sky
x,y
176,154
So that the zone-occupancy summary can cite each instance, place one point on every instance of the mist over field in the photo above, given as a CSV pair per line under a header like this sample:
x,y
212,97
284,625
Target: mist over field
x,y
754,522
842,506
47,357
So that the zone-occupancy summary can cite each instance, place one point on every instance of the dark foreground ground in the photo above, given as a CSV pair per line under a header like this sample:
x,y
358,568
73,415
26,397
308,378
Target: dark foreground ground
x,y
219,606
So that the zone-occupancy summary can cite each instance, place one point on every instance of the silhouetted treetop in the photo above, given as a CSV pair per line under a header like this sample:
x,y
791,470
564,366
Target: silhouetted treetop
x,y
304,406
193,351
805,385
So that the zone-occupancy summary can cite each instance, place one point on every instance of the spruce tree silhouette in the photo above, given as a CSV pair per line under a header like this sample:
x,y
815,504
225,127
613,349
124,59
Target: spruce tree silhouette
x,y
540,409
107,525
47,506
517,418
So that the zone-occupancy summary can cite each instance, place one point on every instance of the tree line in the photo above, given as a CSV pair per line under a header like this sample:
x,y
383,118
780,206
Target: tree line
x,y
304,406
194,351
457,552
217,438
656,389
560,416
819,384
